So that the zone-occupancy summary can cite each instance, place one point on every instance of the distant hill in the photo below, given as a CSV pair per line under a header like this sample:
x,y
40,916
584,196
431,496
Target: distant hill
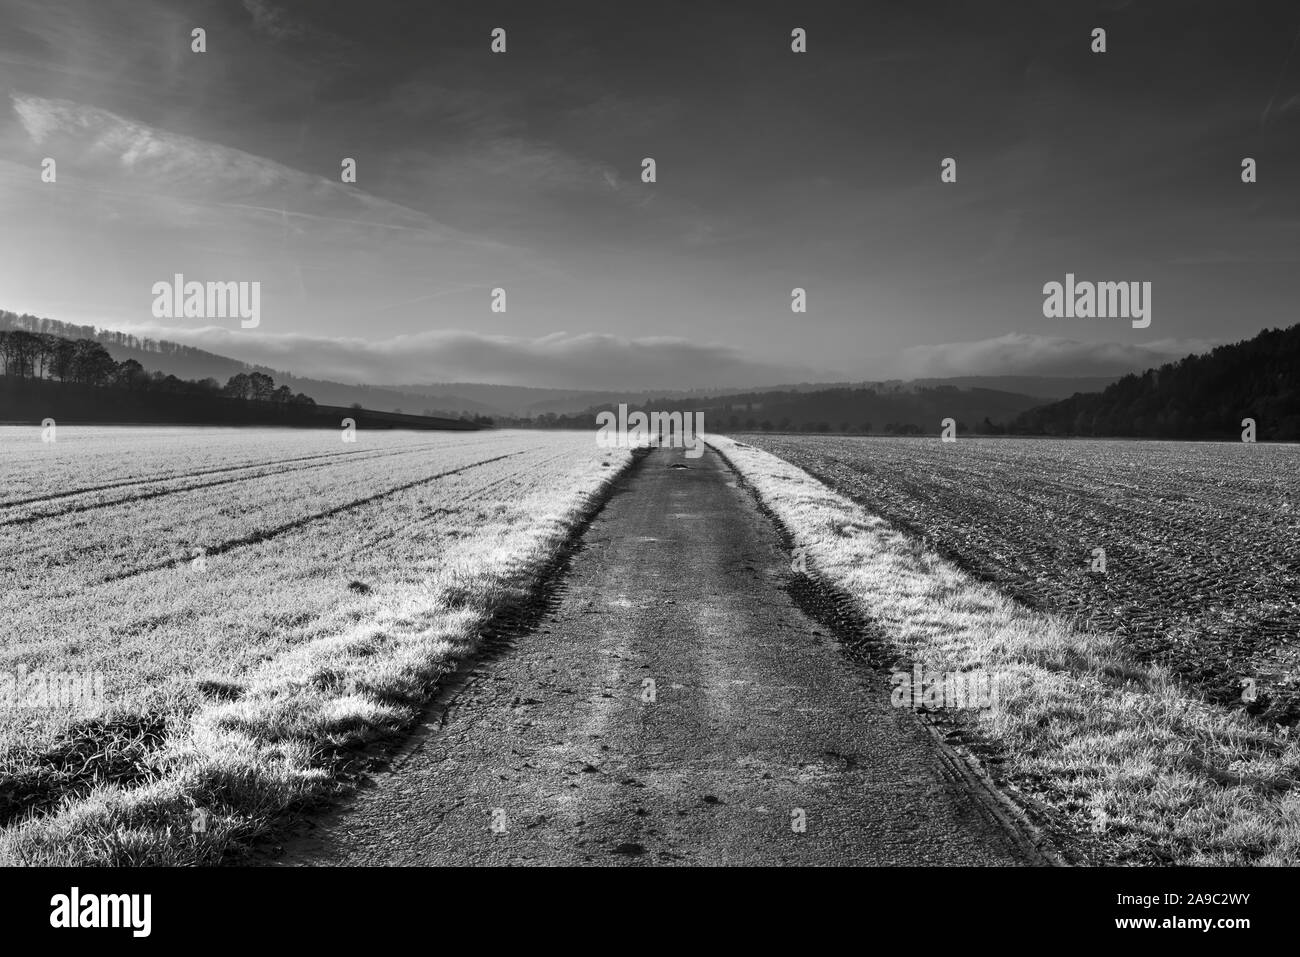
x,y
449,399
898,410
912,403
1044,387
187,362
520,401
1199,397
873,409
524,401
47,376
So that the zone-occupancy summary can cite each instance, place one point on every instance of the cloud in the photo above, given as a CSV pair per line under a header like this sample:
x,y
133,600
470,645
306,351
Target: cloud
x,y
112,143
124,153
558,360
1023,354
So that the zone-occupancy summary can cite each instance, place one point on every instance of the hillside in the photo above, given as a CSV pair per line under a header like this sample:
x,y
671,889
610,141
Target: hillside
x,y
1048,388
1199,397
47,376
901,410
520,401
866,409
187,362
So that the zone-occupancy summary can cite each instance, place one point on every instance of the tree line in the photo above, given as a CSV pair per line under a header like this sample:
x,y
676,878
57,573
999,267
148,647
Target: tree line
x,y
12,321
1200,397
42,355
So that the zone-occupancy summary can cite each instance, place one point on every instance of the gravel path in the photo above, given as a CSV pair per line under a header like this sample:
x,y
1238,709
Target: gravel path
x,y
547,752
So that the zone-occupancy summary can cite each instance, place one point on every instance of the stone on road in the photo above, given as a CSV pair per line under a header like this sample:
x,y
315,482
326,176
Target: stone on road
x,y
675,706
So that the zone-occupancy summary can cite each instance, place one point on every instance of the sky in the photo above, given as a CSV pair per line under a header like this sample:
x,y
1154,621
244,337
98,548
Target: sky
x,y
775,170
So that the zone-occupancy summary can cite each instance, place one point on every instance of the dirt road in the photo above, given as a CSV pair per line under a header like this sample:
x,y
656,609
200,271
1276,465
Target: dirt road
x,y
674,707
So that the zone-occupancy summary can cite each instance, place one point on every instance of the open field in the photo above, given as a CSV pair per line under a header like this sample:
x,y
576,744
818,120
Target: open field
x,y
258,603
251,599
1202,541
1111,752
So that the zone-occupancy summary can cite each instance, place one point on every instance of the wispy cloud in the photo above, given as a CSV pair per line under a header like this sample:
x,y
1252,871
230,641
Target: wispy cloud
x,y
120,151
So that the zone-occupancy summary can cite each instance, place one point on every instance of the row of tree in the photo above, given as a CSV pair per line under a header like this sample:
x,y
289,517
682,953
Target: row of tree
x,y
12,321
259,387
40,355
